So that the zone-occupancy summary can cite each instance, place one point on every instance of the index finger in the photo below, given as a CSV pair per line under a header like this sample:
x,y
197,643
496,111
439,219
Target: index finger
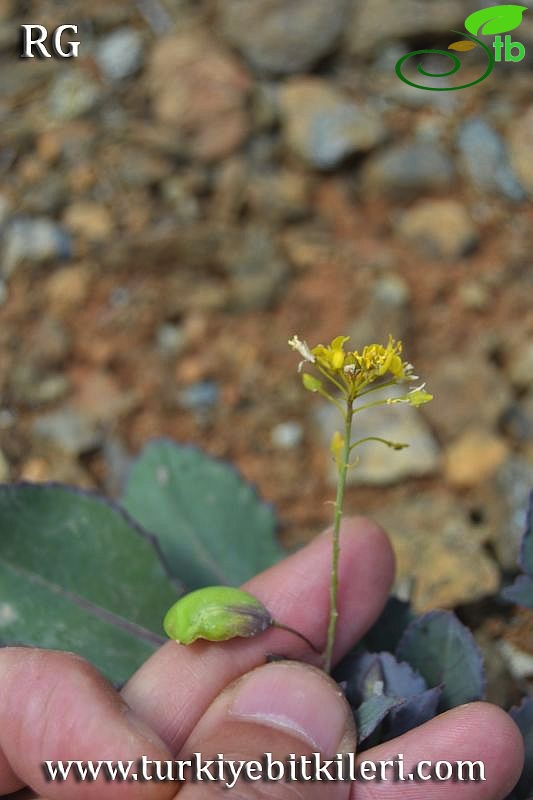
x,y
172,690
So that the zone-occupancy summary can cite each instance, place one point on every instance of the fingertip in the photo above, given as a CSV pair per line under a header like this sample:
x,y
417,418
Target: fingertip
x,y
369,534
504,744
476,732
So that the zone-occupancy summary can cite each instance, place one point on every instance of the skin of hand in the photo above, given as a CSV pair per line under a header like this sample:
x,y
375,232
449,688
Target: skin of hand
x,y
222,698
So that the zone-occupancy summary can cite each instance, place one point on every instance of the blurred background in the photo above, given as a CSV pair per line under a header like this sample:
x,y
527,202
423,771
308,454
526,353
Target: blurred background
x,y
208,179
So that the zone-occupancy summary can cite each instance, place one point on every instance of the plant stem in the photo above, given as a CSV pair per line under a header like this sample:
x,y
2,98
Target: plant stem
x,y
339,501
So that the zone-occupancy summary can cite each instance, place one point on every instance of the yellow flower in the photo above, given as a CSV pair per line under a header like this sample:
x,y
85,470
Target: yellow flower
x,y
351,371
376,360
332,357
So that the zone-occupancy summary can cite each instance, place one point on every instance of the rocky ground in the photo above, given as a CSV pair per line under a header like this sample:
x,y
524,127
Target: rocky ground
x,y
207,180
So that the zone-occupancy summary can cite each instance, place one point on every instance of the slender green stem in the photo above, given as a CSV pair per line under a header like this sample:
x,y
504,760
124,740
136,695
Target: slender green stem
x,y
372,405
377,387
331,379
339,500
331,399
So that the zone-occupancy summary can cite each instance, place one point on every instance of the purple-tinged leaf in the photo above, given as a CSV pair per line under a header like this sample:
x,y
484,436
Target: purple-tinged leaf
x,y
520,592
400,678
352,671
523,716
445,653
371,714
414,712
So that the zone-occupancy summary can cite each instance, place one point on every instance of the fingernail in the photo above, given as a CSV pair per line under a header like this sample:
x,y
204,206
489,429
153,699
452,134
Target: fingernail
x,y
298,699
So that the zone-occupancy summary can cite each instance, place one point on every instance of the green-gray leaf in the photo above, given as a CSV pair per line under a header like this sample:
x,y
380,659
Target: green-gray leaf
x,y
372,712
211,526
77,574
496,19
443,651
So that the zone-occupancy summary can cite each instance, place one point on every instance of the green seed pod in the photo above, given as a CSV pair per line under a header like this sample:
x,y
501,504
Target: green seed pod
x,y
215,613
311,383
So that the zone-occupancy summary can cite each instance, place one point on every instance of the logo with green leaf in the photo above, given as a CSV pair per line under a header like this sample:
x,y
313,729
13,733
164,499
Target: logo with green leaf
x,y
492,21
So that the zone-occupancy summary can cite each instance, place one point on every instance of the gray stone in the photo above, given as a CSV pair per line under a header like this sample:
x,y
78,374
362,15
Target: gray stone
x,y
280,195
433,528
386,312
46,197
517,421
200,396
518,661
512,487
375,22
286,435
484,158
119,55
118,461
170,339
33,240
283,36
7,419
31,387
442,228
473,458
520,365
199,91
520,140
376,464
68,429
467,390
474,295
408,169
50,343
256,268
52,463
323,126
73,94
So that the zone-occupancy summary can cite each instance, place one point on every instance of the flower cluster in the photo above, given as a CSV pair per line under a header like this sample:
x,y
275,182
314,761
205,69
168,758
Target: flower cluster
x,y
352,372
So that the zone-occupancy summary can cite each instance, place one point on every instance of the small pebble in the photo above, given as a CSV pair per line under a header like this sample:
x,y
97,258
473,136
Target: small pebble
x,y
287,435
119,55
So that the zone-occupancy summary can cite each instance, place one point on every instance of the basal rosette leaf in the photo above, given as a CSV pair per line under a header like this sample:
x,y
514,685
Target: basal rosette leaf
x,y
210,523
78,574
444,652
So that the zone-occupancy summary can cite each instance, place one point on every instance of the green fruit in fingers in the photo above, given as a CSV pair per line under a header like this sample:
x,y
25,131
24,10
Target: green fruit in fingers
x,y
217,614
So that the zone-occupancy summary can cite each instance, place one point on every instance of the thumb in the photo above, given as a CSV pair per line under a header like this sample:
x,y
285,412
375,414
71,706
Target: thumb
x,y
261,726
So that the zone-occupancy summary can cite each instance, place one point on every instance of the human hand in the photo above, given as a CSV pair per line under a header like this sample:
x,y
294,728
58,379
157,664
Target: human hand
x,y
222,698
